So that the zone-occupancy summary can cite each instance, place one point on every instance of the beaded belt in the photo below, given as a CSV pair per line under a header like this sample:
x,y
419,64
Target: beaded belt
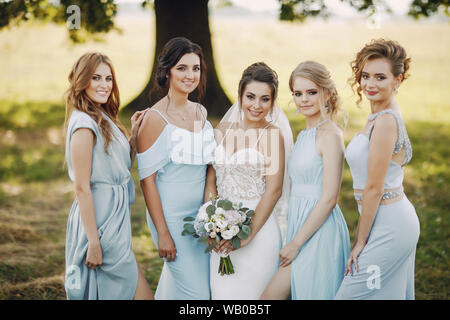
x,y
389,196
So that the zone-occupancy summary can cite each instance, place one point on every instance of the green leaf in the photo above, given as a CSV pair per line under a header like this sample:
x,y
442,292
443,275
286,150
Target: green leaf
x,y
204,239
236,242
220,203
227,205
250,213
210,210
242,235
209,247
240,205
189,227
189,219
246,229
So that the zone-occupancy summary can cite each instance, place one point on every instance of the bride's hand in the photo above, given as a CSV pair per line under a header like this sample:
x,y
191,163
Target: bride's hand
x,y
213,241
288,254
224,247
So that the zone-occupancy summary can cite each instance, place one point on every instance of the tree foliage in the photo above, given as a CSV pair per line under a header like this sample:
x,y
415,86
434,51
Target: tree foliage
x,y
299,10
98,16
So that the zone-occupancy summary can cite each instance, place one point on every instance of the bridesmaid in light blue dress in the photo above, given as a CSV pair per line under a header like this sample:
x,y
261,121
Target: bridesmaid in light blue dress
x,y
100,263
312,263
381,264
175,144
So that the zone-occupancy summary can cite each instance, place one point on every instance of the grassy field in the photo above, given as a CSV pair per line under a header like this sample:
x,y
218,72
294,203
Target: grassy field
x,y
36,194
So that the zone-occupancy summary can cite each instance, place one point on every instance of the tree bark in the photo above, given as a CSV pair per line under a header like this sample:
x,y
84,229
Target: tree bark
x,y
189,19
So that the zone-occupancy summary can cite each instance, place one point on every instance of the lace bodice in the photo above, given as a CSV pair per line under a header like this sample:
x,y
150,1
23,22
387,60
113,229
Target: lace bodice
x,y
240,177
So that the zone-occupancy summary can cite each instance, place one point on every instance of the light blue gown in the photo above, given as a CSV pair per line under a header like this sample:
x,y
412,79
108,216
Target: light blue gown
x,y
318,269
386,264
180,158
112,191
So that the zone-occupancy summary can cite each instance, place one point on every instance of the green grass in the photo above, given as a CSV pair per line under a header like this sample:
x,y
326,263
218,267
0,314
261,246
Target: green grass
x,y
36,194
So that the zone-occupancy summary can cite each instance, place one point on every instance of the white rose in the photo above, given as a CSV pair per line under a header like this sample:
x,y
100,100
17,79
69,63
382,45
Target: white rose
x,y
219,211
212,234
222,223
227,234
234,230
202,215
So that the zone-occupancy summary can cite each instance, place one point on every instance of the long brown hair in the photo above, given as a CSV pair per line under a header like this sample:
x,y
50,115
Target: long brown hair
x,y
76,98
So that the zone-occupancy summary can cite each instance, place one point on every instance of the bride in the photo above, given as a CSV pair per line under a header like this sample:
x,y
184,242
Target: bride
x,y
254,139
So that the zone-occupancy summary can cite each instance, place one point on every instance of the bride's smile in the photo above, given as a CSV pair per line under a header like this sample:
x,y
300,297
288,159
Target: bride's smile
x,y
256,103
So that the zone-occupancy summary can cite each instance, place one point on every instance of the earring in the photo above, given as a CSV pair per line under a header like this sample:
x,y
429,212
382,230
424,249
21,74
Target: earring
x,y
297,111
271,115
395,90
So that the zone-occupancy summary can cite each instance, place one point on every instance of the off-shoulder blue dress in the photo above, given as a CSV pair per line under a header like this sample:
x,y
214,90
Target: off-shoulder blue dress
x,y
112,191
180,158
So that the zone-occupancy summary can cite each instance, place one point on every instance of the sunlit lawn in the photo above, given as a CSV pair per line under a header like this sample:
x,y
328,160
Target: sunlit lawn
x,y
36,194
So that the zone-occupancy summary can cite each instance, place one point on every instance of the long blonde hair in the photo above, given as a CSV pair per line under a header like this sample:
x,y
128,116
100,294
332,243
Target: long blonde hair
x,y
76,98
318,74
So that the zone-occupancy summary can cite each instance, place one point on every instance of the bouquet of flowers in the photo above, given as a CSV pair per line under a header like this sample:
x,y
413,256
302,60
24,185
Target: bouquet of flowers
x,y
220,219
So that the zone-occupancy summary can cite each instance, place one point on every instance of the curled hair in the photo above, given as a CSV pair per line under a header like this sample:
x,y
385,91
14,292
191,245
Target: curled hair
x,y
76,98
379,48
319,74
172,52
259,71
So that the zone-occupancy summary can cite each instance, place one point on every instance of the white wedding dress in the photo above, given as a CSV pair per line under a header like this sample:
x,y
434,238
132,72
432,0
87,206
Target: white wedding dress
x,y
241,178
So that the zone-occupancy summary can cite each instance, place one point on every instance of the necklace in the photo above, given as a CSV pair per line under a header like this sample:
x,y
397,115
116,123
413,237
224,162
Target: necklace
x,y
181,114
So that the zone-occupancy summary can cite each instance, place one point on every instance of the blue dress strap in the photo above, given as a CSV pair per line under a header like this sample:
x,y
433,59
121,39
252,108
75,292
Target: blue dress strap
x,y
162,116
201,111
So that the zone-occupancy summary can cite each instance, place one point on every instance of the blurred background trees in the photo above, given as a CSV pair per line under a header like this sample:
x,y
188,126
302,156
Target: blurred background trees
x,y
180,18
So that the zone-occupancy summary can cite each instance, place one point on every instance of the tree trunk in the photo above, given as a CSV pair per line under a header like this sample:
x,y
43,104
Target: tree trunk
x,y
188,19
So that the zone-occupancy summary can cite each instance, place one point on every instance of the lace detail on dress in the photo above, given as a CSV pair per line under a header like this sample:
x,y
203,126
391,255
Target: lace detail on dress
x,y
239,179
240,182
403,138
